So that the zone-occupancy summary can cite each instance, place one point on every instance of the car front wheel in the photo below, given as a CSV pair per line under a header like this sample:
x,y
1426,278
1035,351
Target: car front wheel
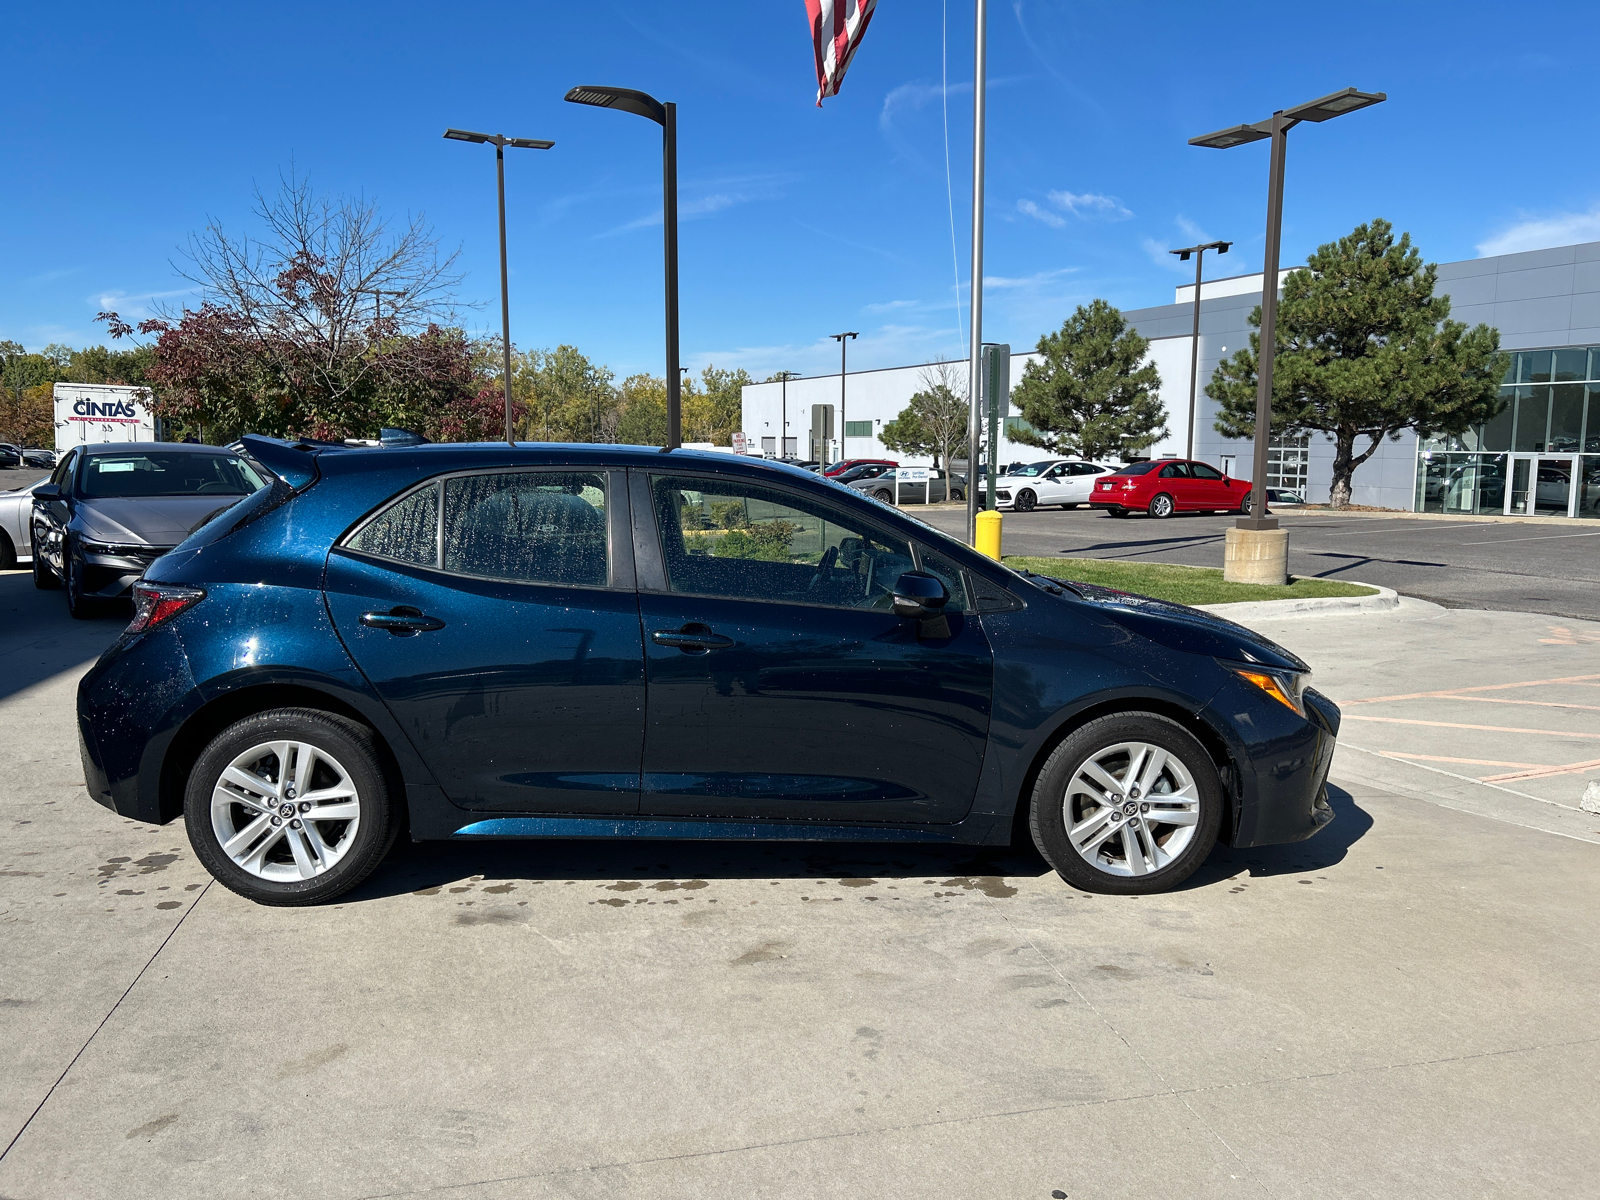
x,y
79,605
1116,512
1025,500
43,577
1069,507
290,807
1129,804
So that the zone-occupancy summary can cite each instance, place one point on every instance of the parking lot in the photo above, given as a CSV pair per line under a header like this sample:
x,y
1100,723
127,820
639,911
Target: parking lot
x,y
1549,566
1398,1007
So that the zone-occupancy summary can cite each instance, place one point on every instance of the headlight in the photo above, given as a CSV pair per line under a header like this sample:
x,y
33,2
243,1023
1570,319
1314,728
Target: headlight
x,y
1286,687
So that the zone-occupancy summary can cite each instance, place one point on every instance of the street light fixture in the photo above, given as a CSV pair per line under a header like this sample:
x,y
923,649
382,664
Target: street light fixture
x,y
1194,350
783,378
665,115
1277,128
843,339
500,142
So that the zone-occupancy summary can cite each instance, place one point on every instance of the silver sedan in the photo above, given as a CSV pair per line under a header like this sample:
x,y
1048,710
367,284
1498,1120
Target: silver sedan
x,y
15,508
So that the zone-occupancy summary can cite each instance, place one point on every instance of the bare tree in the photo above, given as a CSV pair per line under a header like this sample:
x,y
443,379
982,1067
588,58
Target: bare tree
x,y
324,282
942,406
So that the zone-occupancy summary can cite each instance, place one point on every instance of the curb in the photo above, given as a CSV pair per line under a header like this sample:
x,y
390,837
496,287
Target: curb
x,y
1386,600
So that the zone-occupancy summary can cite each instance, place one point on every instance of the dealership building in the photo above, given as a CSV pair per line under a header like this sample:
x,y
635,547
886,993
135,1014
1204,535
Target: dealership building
x,y
1540,456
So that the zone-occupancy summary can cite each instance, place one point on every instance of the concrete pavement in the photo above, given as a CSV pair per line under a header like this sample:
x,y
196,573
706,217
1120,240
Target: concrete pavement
x,y
1400,1006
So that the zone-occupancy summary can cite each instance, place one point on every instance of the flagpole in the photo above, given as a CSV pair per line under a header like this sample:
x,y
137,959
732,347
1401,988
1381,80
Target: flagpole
x,y
974,418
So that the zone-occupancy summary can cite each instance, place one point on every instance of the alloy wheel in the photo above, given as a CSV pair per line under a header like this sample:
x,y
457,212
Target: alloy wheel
x,y
285,811
1130,809
1161,506
1025,500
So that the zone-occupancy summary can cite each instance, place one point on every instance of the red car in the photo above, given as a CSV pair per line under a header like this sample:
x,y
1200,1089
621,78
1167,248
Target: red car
x,y
845,464
1170,485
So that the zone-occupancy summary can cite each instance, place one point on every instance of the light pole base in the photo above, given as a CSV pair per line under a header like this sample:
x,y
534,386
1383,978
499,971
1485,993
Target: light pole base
x,y
1256,556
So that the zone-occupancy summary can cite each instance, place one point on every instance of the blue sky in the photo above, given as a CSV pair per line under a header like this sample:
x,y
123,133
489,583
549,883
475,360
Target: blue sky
x,y
130,125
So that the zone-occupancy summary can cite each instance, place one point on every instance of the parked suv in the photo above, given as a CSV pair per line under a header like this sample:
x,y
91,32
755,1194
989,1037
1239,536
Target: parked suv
x,y
545,641
1169,485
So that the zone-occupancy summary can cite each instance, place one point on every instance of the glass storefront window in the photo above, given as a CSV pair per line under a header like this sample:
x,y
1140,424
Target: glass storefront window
x,y
1533,420
1566,418
1461,483
1589,486
1535,367
1591,434
1571,366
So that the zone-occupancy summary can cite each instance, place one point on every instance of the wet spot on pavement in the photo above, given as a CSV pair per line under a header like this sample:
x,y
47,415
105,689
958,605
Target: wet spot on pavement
x,y
170,904
766,952
992,886
308,1064
150,1128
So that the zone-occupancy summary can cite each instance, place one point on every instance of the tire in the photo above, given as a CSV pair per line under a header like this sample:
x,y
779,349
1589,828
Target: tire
x,y
1025,500
1244,505
1161,506
8,552
1068,507
79,606
43,577
1116,512
283,864
1068,797
958,494
884,495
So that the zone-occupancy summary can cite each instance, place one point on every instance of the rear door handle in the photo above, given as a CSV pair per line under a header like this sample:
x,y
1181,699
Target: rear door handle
x,y
402,621
693,638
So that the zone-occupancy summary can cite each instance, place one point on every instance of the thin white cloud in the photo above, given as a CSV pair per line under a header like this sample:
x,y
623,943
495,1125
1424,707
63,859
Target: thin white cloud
x,y
909,97
890,305
1087,204
1192,231
1159,254
1541,233
1031,209
1004,283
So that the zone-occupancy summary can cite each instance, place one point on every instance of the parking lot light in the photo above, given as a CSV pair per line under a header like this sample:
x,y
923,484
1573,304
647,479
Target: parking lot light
x,y
1194,350
500,142
642,104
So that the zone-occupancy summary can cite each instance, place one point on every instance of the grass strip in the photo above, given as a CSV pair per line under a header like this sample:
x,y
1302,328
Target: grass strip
x,y
1185,585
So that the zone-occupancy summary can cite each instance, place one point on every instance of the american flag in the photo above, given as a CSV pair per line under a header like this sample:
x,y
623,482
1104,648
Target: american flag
x,y
837,27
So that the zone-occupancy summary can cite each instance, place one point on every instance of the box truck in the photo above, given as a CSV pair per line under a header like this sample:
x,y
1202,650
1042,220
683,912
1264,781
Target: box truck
x,y
102,412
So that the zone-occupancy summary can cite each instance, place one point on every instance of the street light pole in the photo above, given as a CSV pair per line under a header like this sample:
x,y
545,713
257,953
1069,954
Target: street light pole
x,y
783,417
1259,558
645,105
500,142
843,339
974,366
1194,350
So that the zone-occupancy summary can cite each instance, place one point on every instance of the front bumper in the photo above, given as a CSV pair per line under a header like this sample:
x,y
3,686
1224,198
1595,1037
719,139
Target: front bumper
x,y
1283,796
108,576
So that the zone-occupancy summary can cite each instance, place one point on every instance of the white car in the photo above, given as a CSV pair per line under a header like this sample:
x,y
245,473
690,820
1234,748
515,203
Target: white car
x,y
16,507
1063,481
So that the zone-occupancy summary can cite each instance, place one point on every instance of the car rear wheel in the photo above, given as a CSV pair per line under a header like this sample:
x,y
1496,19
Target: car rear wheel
x,y
1129,804
1116,512
290,807
1069,507
1025,500
1161,506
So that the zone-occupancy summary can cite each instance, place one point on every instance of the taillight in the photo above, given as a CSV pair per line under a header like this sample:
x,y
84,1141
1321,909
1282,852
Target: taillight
x,y
1130,485
157,603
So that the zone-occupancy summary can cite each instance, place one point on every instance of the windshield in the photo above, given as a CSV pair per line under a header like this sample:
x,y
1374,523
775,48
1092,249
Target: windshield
x,y
1032,470
167,473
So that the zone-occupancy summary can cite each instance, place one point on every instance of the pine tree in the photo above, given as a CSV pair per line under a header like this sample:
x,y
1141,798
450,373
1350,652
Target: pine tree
x,y
1364,350
1094,395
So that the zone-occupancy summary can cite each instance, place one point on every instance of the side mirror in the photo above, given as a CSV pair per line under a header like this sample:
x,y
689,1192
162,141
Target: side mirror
x,y
47,491
918,595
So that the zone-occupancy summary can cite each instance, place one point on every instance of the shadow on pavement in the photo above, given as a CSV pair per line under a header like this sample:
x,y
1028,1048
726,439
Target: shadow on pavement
x,y
38,638
418,866
1326,849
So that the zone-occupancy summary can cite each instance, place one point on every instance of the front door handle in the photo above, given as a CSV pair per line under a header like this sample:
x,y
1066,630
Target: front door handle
x,y
693,638
402,621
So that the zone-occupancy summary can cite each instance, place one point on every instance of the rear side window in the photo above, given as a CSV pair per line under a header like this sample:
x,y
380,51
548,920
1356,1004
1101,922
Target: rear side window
x,y
407,531
1175,471
1143,468
527,526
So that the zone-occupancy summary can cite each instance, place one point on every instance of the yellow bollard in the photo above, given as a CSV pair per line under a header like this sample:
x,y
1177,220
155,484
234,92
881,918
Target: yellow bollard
x,y
989,534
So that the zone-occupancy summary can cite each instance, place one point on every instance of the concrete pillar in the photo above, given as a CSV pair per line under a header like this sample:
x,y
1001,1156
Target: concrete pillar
x,y
1256,556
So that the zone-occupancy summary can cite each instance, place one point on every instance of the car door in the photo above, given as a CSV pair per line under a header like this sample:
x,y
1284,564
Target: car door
x,y
50,517
495,614
781,684
1211,490
1174,479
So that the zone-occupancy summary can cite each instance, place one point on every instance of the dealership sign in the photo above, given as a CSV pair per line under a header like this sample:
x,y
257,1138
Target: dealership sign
x,y
103,410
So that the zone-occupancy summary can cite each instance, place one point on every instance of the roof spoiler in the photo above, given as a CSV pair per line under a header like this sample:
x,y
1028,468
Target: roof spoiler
x,y
293,462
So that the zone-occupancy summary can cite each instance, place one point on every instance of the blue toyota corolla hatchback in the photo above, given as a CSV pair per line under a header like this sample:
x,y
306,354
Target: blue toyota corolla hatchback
x,y
488,641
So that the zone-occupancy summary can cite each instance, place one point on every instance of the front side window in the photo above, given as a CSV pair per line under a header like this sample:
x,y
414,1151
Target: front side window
x,y
527,526
951,575
167,473
743,541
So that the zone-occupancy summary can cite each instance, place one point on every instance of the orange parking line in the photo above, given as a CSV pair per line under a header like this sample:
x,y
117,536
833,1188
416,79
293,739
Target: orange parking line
x,y
1534,703
1476,762
1491,687
1569,769
1593,737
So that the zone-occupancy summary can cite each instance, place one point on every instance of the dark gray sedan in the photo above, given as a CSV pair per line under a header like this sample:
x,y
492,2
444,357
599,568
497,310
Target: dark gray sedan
x,y
109,511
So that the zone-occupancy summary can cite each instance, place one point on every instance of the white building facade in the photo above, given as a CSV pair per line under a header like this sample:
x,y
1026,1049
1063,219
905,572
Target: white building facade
x,y
1541,456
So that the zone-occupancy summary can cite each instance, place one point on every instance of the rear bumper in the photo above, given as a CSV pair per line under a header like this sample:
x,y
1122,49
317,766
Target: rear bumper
x,y
1134,505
